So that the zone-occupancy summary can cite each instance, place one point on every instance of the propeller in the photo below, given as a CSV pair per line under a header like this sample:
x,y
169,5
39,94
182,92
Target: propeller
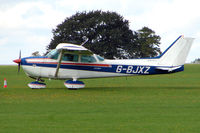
x,y
18,61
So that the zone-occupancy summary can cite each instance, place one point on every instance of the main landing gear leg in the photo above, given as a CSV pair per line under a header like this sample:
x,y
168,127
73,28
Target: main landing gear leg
x,y
74,84
36,84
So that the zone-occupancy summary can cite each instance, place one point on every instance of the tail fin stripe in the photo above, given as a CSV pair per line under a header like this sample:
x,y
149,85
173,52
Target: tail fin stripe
x,y
169,47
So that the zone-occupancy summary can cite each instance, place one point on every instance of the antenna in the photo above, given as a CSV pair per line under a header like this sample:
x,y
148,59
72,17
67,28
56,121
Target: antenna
x,y
86,40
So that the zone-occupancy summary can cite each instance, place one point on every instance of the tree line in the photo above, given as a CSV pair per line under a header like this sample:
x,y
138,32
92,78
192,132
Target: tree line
x,y
108,34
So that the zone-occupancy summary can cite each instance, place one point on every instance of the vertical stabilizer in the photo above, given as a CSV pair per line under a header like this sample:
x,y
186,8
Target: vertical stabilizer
x,y
177,52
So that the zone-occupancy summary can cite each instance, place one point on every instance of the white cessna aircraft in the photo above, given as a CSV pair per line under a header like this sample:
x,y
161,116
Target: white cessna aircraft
x,y
73,62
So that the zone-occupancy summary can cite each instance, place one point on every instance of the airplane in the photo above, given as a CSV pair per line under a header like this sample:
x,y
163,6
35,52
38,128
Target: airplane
x,y
74,62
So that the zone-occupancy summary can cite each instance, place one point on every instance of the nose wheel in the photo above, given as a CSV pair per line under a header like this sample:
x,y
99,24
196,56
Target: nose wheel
x,y
36,84
74,85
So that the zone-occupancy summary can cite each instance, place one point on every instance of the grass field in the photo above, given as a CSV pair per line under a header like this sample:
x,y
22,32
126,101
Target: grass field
x,y
143,104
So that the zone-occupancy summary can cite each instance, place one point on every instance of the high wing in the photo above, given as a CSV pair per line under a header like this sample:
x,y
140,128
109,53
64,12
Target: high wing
x,y
74,48
70,48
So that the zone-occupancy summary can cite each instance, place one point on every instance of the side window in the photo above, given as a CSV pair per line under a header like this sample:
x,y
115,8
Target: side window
x,y
70,57
87,58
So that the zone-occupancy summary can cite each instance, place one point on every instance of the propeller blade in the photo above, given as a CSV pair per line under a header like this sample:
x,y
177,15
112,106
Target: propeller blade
x,y
19,64
20,54
18,61
19,67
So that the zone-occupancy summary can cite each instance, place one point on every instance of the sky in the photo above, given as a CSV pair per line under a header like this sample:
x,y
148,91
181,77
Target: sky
x,y
27,25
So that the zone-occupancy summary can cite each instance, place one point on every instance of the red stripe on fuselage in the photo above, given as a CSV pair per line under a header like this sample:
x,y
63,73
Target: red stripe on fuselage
x,y
77,64
87,64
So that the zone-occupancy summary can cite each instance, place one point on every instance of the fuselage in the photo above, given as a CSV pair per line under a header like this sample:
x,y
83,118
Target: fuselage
x,y
45,67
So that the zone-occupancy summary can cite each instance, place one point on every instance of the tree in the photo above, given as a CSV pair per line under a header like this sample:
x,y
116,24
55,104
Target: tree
x,y
147,43
108,34
196,61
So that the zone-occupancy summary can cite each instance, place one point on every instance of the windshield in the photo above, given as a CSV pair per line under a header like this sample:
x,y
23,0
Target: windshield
x,y
53,54
100,58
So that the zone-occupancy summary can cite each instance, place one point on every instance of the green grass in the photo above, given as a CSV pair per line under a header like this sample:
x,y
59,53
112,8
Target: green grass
x,y
143,104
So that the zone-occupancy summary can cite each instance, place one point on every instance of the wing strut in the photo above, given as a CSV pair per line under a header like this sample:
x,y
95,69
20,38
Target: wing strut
x,y
59,62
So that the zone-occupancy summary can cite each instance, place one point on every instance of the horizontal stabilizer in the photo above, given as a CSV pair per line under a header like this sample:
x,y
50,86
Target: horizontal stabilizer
x,y
169,69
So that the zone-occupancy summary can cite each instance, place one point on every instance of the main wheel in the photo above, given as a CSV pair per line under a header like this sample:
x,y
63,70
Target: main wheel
x,y
74,85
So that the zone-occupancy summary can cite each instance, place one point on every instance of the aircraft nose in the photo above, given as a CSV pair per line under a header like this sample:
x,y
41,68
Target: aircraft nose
x,y
17,61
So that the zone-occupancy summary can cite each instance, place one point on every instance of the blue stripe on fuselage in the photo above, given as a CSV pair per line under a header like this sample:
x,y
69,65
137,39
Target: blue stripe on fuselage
x,y
123,69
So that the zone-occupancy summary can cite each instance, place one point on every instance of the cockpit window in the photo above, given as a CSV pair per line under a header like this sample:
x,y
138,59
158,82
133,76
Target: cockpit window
x,y
87,58
53,54
70,57
100,58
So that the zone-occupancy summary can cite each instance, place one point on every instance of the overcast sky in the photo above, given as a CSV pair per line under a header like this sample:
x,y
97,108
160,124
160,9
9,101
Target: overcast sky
x,y
26,25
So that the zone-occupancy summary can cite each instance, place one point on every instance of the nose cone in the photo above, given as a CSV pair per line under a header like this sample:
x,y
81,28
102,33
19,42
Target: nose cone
x,y
17,61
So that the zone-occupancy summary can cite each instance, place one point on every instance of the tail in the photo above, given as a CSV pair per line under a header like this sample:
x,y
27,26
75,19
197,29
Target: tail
x,y
177,52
